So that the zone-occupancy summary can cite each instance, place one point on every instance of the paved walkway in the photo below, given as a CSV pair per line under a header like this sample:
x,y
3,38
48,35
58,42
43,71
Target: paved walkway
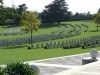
x,y
66,65
88,69
53,66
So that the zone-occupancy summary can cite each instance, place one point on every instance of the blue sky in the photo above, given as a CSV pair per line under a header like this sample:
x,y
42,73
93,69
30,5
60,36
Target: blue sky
x,y
81,6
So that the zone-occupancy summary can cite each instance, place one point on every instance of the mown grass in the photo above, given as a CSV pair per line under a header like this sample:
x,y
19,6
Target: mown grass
x,y
21,53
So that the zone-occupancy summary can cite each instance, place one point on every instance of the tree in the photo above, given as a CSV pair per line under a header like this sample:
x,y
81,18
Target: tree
x,y
98,10
97,19
21,8
1,1
89,16
69,16
7,14
82,16
76,16
30,22
56,11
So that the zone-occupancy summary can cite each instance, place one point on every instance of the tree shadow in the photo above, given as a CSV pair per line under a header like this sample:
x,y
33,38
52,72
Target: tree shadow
x,y
94,31
97,26
47,25
50,25
14,47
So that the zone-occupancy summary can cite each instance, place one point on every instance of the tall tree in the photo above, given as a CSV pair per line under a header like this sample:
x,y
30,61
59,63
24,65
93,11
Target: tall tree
x,y
56,11
1,1
89,16
97,19
98,10
7,14
76,16
30,22
22,7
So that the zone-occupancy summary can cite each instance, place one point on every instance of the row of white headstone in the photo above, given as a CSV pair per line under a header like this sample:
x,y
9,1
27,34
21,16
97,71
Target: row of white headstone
x,y
72,30
67,44
80,28
87,27
56,31
73,42
12,32
64,29
35,39
41,38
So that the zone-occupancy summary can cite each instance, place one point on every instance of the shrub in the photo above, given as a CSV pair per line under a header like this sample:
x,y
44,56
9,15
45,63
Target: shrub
x,y
88,44
18,68
78,45
84,31
96,41
29,47
45,47
65,47
71,46
83,47
1,71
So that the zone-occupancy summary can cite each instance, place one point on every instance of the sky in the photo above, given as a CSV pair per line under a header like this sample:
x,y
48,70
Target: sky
x,y
81,6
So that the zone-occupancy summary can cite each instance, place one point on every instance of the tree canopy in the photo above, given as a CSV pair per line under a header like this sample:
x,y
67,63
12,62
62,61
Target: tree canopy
x,y
56,11
98,10
21,8
1,1
97,19
30,22
7,14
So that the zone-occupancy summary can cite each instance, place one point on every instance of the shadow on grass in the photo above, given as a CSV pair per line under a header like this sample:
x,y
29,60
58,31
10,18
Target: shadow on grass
x,y
50,25
97,26
14,47
94,31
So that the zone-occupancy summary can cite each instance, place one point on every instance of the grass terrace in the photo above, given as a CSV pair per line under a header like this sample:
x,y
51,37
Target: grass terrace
x,y
21,53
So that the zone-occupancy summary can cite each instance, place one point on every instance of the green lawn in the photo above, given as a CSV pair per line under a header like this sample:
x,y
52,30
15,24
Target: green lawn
x,y
21,53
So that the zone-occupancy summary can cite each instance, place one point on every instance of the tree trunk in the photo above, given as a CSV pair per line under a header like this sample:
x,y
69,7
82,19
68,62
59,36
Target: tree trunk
x,y
59,23
59,20
97,27
31,40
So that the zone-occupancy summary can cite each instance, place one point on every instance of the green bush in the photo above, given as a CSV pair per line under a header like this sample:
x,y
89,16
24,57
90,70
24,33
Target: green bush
x,y
18,68
1,71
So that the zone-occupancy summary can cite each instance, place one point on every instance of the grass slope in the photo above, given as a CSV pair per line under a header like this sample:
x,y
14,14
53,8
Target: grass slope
x,y
21,53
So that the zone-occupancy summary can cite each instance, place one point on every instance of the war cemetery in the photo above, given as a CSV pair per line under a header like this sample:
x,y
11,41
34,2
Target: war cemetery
x,y
33,43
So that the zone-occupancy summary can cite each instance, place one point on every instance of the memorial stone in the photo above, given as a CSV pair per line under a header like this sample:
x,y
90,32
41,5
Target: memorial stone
x,y
54,45
86,45
58,44
37,45
42,46
91,46
98,42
